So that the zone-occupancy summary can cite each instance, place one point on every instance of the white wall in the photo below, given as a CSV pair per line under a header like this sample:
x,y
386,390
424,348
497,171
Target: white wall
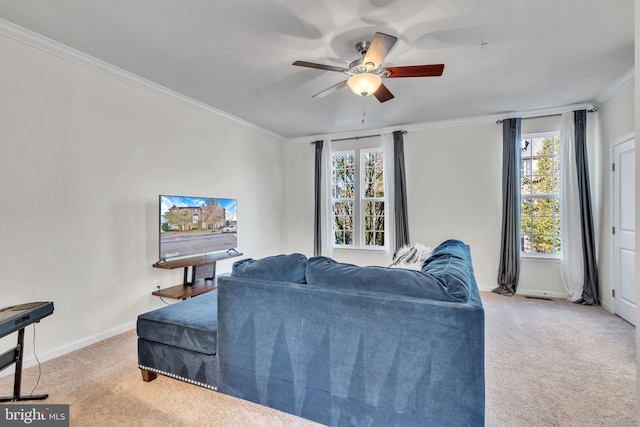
x,y
616,122
454,191
299,203
84,157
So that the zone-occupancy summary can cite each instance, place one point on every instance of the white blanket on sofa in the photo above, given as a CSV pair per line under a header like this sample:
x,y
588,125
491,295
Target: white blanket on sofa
x,y
411,257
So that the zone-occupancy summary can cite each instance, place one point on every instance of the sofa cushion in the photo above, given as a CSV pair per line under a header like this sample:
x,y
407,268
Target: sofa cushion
x,y
450,248
191,324
452,271
327,273
277,268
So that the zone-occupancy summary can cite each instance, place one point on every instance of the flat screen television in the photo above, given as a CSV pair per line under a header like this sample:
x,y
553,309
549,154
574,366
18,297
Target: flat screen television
x,y
196,225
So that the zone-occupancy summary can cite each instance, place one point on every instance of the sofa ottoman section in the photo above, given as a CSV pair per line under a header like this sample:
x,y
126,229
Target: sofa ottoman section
x,y
180,341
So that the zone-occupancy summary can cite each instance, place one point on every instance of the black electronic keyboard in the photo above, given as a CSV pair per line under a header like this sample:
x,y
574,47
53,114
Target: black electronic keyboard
x,y
16,318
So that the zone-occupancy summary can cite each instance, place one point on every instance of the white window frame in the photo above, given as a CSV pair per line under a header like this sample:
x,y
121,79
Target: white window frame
x,y
359,200
557,255
343,199
363,200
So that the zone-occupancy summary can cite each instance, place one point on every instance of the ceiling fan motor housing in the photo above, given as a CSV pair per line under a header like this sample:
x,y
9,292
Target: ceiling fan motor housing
x,y
362,47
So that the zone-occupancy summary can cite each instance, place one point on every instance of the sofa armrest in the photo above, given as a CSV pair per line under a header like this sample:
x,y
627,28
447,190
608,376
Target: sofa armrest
x,y
340,357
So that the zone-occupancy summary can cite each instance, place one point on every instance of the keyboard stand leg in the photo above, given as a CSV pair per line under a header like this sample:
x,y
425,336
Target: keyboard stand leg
x,y
17,378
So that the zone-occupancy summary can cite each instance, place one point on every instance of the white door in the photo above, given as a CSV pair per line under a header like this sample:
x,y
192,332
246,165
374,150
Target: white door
x,y
624,248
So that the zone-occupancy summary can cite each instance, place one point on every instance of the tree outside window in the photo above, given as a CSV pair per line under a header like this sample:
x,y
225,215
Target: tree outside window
x,y
540,194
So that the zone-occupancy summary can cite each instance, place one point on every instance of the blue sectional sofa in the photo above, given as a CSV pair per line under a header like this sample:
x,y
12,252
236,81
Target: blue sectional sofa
x,y
333,342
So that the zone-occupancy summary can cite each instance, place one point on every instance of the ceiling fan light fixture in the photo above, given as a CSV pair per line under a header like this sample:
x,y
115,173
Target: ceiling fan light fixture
x,y
364,84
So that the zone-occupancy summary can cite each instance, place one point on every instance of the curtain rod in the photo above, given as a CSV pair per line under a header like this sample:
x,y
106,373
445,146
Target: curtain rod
x,y
404,132
593,110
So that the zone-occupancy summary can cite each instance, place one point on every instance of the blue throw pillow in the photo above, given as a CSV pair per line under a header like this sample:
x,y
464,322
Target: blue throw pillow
x,y
327,273
278,268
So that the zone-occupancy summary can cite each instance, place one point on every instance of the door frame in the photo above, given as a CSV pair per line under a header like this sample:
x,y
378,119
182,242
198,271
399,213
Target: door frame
x,y
626,138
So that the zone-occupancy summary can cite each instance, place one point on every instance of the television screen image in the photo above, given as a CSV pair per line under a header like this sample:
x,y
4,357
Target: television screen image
x,y
196,225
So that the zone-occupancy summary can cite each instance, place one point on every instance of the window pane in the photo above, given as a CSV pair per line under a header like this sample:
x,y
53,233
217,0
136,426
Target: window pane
x,y
543,244
343,208
541,184
379,238
368,238
374,223
374,238
344,185
343,223
343,175
373,167
540,189
344,238
348,238
379,208
543,206
368,222
540,225
369,189
368,208
379,224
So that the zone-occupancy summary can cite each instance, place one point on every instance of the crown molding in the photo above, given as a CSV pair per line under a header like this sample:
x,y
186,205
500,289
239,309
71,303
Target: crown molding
x,y
23,35
615,88
468,121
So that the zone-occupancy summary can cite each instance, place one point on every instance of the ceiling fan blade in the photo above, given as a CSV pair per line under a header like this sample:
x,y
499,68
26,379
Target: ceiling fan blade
x,y
383,94
378,50
432,70
330,90
320,66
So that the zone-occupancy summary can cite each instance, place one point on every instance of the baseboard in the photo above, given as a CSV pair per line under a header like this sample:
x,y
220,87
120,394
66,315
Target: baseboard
x,y
536,293
533,293
57,352
606,306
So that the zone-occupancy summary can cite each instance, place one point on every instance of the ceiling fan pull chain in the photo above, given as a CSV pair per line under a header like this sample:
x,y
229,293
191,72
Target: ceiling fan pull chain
x,y
363,108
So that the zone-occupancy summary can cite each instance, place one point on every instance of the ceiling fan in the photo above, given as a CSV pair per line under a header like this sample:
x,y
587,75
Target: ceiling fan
x,y
366,73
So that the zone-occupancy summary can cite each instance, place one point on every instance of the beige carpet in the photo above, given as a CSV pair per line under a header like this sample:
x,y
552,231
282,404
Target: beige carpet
x,y
548,363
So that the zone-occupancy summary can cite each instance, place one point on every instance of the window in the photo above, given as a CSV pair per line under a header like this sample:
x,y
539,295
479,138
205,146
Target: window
x,y
358,198
343,194
540,194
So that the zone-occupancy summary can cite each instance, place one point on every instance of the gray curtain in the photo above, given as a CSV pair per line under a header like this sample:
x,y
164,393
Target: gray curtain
x,y
317,228
590,287
509,270
399,182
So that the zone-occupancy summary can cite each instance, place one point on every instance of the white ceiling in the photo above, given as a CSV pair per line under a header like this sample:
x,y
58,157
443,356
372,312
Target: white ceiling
x,y
500,56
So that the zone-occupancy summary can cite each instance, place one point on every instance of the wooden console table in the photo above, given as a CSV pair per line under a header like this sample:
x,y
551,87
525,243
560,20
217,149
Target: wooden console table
x,y
194,287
